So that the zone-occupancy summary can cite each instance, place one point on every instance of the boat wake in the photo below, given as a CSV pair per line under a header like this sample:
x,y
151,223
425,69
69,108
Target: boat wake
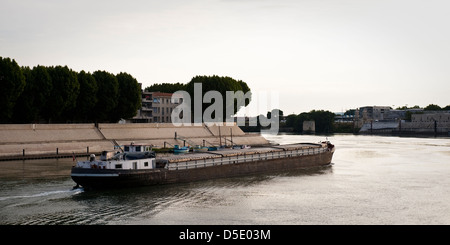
x,y
44,194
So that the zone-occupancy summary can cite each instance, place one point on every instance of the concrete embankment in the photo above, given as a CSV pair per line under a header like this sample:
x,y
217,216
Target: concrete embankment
x,y
51,140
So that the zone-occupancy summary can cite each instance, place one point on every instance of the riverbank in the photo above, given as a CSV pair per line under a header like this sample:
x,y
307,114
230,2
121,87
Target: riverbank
x,y
33,141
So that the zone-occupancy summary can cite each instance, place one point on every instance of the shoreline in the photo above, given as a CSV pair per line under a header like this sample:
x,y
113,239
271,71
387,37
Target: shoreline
x,y
40,141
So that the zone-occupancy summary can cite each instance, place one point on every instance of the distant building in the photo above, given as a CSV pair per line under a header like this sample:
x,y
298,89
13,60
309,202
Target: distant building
x,y
309,126
145,113
371,113
431,117
163,105
437,122
156,107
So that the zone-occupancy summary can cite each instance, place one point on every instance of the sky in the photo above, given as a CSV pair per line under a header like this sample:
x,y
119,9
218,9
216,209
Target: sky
x,y
312,54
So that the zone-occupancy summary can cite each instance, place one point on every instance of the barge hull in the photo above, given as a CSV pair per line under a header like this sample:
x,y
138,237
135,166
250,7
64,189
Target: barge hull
x,y
105,178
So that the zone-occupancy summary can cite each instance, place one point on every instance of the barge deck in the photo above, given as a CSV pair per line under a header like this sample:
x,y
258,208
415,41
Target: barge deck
x,y
209,165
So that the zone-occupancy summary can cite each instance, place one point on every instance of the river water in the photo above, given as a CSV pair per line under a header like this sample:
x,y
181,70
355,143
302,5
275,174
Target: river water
x,y
373,180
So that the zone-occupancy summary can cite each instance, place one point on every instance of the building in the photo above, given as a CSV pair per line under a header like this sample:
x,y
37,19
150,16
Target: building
x,y
428,122
432,117
156,107
371,113
309,126
163,105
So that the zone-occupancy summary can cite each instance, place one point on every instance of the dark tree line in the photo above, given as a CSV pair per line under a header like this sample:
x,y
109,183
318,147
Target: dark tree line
x,y
209,83
57,94
166,87
324,121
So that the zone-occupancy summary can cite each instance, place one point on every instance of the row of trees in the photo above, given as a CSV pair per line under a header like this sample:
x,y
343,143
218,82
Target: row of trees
x,y
324,121
209,83
430,107
59,94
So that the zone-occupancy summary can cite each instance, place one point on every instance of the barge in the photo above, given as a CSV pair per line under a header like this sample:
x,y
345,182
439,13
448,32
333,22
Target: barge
x,y
139,166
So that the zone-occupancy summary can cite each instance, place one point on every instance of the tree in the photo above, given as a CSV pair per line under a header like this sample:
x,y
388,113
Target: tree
x,y
25,109
12,82
107,95
87,98
32,101
280,113
221,85
324,120
291,120
129,100
432,107
63,96
166,87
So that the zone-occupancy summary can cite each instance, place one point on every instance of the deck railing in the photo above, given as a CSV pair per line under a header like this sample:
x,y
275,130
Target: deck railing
x,y
207,162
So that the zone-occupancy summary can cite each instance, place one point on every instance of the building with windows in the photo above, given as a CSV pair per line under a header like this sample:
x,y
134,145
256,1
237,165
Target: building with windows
x,y
156,107
371,113
145,113
163,105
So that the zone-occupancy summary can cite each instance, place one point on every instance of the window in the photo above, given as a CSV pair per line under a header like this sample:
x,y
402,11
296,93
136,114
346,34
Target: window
x,y
145,164
118,166
127,148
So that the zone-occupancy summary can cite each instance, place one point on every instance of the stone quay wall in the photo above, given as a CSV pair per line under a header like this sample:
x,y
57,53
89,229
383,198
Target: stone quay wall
x,y
48,139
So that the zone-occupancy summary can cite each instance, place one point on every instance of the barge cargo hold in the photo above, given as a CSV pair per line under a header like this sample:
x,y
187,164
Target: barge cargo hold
x,y
123,171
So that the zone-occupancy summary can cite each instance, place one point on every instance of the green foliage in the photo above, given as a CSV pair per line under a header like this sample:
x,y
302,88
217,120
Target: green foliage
x,y
432,107
166,87
107,95
59,94
324,121
344,127
32,101
406,107
63,96
350,112
280,113
129,100
12,83
222,85
87,99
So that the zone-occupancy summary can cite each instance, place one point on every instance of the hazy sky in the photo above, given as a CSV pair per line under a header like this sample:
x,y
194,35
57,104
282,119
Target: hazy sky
x,y
317,54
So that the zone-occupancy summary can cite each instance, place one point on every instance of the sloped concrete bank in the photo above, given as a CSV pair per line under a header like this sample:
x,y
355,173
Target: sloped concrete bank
x,y
22,141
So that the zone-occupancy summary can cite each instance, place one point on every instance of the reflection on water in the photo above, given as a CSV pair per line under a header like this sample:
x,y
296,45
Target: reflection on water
x,y
121,206
373,180
40,168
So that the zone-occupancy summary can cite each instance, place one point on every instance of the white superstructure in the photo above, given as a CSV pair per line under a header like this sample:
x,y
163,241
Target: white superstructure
x,y
133,157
